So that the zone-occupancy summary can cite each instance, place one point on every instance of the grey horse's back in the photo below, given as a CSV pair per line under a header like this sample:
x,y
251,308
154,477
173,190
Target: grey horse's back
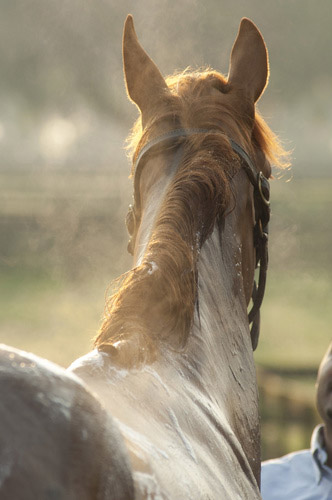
x,y
56,440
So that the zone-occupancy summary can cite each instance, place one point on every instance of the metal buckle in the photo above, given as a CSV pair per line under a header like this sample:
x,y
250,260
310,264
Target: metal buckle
x,y
260,178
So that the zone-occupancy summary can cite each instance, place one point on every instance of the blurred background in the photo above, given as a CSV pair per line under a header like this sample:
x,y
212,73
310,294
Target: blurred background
x,y
64,182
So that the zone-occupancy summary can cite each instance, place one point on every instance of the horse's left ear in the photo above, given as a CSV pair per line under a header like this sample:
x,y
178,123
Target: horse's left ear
x,y
145,84
249,66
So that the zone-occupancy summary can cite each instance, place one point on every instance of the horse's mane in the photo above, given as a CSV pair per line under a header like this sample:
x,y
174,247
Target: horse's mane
x,y
155,301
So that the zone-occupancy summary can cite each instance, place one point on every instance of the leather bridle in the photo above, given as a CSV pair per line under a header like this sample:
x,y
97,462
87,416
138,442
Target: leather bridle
x,y
261,204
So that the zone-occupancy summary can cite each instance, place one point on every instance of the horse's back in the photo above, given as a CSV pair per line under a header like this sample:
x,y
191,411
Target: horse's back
x,y
56,440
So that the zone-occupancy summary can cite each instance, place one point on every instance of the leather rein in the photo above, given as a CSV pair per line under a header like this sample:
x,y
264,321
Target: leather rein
x,y
261,204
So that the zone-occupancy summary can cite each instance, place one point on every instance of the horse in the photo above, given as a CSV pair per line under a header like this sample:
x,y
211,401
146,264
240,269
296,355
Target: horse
x,y
57,442
173,359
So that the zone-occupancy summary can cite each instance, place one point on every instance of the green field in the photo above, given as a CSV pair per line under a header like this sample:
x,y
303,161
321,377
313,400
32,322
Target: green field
x,y
63,241
297,311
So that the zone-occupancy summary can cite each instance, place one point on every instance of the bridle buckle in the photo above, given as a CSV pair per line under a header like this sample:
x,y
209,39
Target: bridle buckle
x,y
261,179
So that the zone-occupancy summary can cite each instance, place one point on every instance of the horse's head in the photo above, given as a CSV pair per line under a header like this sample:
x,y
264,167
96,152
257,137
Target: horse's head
x,y
199,147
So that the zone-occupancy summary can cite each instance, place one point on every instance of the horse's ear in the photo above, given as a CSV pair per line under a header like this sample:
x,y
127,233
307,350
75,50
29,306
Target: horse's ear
x,y
249,66
145,84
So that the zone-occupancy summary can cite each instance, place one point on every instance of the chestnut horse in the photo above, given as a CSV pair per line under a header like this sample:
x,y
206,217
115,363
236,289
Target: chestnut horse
x,y
174,361
172,412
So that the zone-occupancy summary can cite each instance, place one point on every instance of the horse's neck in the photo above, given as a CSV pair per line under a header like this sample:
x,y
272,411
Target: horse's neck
x,y
219,349
221,322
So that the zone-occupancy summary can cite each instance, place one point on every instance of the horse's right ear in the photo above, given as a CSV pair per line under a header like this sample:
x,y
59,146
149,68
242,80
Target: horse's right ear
x,y
145,84
249,66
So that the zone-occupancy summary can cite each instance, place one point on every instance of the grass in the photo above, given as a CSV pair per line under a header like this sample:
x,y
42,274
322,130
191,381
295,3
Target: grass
x,y
296,320
63,241
296,312
49,317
